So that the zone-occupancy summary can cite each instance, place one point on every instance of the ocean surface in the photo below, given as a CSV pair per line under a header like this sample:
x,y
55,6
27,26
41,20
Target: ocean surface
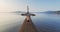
x,y
11,22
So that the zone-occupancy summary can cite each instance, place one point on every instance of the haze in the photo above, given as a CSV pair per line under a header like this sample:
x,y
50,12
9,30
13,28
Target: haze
x,y
34,5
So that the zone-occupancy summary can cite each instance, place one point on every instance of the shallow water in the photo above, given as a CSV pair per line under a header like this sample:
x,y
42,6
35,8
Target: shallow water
x,y
11,22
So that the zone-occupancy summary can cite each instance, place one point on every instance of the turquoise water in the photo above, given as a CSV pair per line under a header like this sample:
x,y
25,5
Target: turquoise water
x,y
11,22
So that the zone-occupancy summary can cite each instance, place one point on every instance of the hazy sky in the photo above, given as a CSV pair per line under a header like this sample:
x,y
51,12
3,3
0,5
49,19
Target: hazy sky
x,y
34,5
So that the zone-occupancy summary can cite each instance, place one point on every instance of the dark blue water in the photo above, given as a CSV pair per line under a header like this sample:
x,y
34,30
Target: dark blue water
x,y
43,22
47,22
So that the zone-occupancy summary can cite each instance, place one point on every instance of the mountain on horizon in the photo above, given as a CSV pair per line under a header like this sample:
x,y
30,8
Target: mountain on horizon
x,y
57,12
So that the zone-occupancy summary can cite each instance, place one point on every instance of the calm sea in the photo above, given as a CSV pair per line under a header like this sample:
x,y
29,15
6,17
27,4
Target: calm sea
x,y
11,22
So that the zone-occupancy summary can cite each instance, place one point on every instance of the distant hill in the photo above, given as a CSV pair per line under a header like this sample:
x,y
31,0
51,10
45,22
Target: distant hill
x,y
56,12
18,12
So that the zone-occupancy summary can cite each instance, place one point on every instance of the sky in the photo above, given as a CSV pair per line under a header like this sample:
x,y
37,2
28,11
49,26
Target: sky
x,y
34,5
